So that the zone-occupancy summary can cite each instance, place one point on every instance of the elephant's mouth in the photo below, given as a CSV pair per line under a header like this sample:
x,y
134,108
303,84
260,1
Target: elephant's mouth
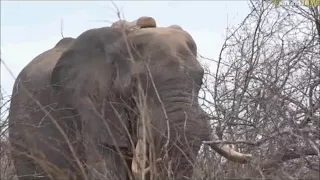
x,y
140,162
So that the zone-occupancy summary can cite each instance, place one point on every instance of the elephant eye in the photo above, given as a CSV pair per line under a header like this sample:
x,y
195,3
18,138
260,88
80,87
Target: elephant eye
x,y
192,47
99,47
184,52
137,50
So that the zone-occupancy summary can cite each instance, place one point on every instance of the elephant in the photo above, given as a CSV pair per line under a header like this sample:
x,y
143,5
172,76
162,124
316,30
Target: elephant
x,y
78,110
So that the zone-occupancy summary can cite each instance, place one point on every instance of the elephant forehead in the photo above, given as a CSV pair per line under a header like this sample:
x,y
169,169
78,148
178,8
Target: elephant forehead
x,y
65,42
168,45
163,37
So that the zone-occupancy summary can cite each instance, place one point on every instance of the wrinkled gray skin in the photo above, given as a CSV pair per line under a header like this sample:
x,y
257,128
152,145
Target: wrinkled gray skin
x,y
88,86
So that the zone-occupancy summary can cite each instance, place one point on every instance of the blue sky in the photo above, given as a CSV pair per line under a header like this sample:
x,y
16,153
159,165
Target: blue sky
x,y
29,28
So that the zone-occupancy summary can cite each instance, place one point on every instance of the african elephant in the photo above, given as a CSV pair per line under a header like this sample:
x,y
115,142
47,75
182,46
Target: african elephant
x,y
78,109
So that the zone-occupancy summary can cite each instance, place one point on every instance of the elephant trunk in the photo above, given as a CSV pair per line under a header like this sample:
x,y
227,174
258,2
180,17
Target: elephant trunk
x,y
188,128
183,130
187,131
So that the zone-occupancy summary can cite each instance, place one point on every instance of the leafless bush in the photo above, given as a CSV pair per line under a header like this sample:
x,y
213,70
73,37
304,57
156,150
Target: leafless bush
x,y
266,93
6,165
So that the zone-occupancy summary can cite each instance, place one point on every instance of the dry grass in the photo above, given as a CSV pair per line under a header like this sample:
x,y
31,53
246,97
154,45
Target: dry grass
x,y
264,99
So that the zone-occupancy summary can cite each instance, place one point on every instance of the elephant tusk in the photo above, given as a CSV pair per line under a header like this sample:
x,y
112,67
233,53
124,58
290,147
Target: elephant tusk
x,y
230,154
139,158
141,22
146,170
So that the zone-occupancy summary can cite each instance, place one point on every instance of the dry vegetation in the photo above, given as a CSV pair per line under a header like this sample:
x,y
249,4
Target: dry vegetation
x,y
266,98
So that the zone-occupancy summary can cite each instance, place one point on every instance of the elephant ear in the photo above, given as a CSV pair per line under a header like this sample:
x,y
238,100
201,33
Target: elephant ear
x,y
91,64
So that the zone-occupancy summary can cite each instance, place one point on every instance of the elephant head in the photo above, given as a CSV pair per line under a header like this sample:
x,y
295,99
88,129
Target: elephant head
x,y
140,84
